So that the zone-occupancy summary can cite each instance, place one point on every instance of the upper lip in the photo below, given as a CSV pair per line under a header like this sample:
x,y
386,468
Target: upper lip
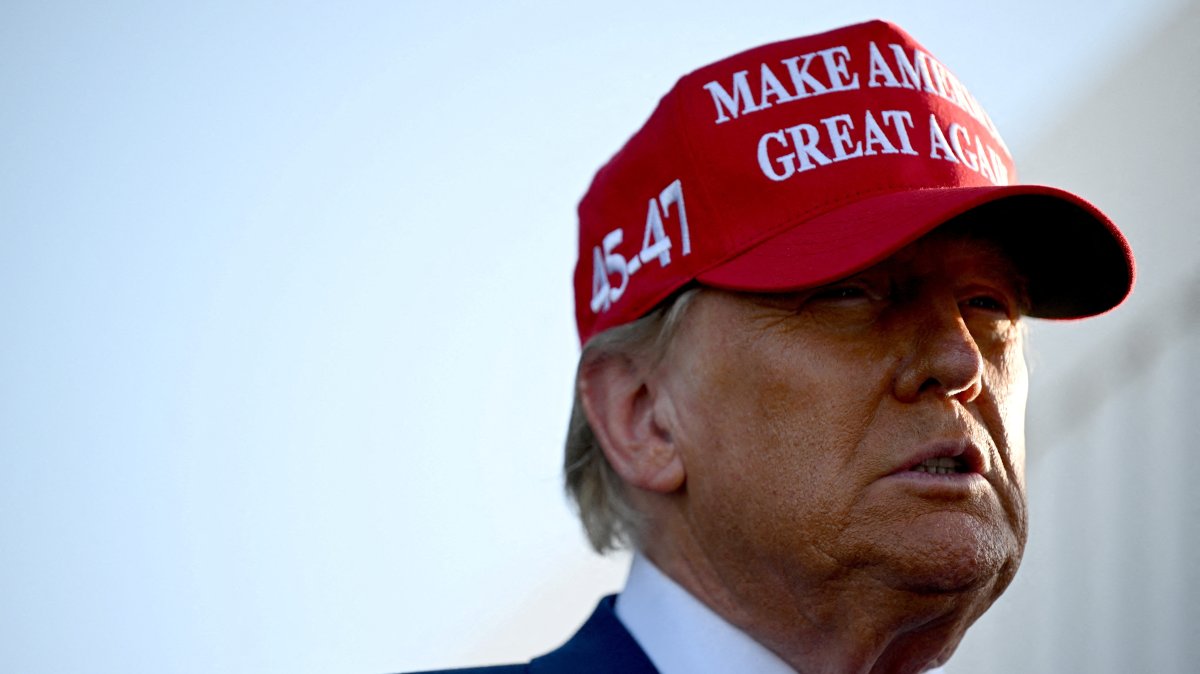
x,y
964,450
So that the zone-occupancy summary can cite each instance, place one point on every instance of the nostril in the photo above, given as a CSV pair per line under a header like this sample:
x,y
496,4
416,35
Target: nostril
x,y
965,393
930,384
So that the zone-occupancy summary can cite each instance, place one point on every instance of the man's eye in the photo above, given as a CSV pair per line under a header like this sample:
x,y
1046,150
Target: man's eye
x,y
987,303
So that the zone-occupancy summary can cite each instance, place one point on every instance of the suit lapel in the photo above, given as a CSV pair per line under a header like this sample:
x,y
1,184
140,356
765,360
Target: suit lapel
x,y
601,646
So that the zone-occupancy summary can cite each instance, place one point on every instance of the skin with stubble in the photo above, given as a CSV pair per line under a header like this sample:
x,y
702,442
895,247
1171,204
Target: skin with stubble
x,y
772,451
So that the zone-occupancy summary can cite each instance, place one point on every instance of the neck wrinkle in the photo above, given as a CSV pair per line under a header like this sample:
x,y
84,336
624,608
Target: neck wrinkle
x,y
848,623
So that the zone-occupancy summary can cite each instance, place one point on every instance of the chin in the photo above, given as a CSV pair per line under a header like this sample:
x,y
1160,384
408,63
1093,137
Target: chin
x,y
951,554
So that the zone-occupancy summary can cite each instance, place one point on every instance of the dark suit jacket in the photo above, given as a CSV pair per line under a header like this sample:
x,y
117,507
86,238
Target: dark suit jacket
x,y
601,646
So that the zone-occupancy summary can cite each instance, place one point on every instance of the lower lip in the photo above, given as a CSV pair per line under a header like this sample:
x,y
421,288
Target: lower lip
x,y
954,485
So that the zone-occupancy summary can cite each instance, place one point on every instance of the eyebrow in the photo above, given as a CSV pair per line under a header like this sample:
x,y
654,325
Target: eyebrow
x,y
1000,261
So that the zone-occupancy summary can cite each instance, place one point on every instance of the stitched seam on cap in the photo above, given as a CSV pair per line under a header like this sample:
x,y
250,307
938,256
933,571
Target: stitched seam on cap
x,y
685,140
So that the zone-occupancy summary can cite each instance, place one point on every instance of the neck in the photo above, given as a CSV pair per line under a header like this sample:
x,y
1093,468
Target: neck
x,y
844,622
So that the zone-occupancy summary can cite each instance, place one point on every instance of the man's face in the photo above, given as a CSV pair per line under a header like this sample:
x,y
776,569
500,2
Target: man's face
x,y
803,420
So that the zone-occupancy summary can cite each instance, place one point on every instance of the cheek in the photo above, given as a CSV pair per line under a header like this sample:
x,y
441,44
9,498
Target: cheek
x,y
1011,392
792,404
773,434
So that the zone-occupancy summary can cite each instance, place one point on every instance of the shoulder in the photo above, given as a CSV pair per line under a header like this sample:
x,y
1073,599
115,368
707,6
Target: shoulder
x,y
496,669
601,646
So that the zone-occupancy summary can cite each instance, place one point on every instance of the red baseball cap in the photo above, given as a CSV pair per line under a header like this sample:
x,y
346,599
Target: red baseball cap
x,y
800,162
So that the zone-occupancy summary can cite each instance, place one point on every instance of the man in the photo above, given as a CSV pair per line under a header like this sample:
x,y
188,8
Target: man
x,y
801,290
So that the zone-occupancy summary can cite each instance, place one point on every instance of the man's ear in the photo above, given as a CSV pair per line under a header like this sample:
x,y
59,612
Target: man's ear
x,y
621,408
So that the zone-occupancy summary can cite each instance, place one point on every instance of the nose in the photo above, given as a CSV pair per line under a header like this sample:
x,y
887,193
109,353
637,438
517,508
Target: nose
x,y
944,359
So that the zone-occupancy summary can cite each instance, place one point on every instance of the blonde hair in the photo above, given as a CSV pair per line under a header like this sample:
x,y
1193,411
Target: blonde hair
x,y
609,519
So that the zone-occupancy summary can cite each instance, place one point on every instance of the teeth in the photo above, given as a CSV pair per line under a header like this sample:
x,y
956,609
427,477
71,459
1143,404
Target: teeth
x,y
942,465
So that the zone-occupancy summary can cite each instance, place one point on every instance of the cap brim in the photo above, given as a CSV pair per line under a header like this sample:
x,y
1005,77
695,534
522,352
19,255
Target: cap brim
x,y
1075,261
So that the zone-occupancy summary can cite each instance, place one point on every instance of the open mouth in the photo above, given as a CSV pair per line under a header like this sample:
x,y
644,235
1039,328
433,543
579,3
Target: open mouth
x,y
942,465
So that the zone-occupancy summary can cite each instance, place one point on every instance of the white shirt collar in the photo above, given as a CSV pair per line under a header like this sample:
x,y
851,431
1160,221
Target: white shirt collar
x,y
681,635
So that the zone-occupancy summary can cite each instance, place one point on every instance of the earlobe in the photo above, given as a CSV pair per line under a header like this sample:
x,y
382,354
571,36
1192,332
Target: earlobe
x,y
621,408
